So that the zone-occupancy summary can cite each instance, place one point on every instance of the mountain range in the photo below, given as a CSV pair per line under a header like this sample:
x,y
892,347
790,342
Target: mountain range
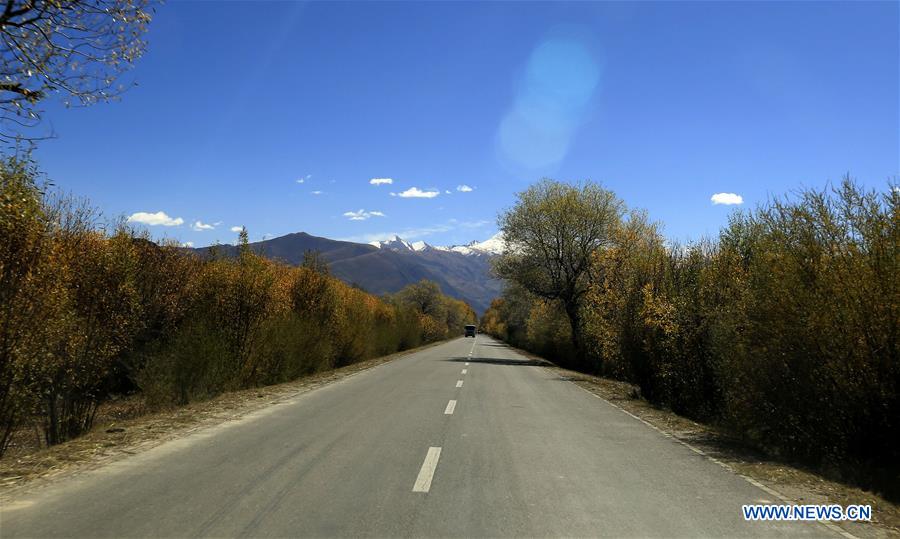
x,y
462,271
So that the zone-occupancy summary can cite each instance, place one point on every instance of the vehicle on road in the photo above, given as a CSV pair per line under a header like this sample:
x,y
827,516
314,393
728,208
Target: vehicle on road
x,y
470,331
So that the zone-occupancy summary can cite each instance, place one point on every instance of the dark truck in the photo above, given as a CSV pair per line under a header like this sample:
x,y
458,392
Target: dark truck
x,y
470,331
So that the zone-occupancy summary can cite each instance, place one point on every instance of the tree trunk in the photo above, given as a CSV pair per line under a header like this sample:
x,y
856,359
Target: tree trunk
x,y
575,323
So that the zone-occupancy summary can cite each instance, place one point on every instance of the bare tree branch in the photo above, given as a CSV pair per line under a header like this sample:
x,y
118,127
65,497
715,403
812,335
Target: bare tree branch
x,y
76,49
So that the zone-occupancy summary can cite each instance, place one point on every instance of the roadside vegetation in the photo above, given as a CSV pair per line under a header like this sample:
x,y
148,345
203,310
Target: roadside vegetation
x,y
90,309
784,331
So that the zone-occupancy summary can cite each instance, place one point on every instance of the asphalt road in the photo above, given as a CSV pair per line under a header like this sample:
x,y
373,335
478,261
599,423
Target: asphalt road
x,y
437,443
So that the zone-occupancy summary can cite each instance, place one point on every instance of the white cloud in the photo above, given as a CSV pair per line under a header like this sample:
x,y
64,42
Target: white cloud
x,y
727,198
153,219
317,192
304,178
187,244
236,228
447,191
409,234
200,226
464,188
381,181
415,192
474,224
362,215
421,232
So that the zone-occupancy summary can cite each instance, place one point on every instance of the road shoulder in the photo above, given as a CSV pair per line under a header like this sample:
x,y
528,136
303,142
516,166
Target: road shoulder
x,y
788,483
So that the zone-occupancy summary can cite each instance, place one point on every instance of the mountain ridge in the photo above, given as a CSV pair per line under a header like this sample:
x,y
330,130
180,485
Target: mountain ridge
x,y
462,271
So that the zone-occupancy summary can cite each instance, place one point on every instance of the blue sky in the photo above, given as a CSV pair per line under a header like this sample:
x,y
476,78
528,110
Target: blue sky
x,y
666,104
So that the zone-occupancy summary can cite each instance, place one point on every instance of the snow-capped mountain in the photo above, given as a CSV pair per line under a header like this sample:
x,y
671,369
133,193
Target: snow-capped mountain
x,y
491,246
399,244
395,244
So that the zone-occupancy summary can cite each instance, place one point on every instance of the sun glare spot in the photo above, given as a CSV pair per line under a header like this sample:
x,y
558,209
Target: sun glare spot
x,y
551,102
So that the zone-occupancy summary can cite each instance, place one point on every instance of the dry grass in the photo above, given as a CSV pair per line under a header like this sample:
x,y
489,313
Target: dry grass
x,y
126,427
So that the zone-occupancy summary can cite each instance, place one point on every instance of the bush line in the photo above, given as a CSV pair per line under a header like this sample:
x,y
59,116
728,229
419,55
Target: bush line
x,y
88,312
784,331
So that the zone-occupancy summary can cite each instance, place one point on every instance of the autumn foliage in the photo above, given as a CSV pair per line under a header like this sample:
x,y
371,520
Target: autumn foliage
x,y
785,331
87,311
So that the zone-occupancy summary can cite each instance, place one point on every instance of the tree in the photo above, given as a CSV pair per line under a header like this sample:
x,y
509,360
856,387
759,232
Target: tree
x,y
244,243
31,295
550,234
426,297
76,48
313,259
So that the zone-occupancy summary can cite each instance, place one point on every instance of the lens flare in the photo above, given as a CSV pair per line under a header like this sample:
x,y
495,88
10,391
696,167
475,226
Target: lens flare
x,y
552,101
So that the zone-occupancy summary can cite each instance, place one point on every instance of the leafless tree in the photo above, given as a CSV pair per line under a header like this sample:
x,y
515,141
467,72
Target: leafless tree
x,y
77,49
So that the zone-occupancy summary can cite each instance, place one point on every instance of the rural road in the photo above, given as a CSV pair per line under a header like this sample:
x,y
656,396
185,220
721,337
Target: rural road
x,y
436,443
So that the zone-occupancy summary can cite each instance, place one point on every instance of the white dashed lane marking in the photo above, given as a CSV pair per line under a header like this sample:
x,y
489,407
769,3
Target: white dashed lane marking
x,y
450,407
426,473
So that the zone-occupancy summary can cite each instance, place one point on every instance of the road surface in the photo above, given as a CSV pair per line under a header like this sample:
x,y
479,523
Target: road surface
x,y
467,438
